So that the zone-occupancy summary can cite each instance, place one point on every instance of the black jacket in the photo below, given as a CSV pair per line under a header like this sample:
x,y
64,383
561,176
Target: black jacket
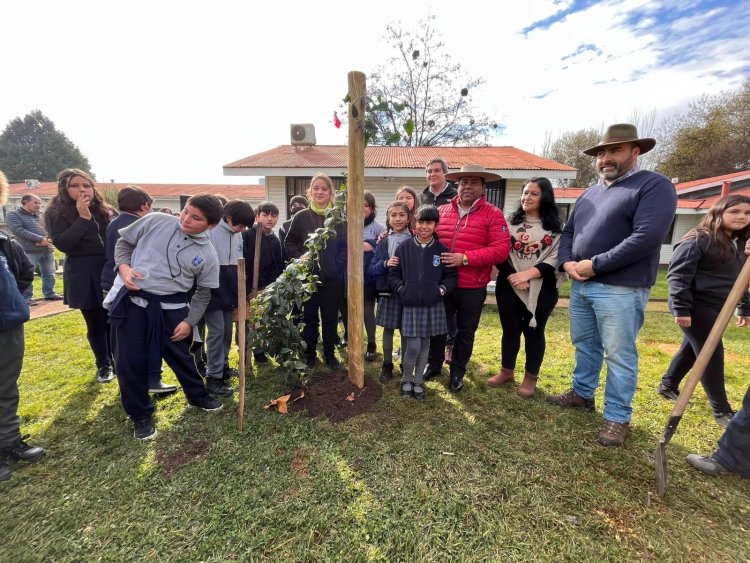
x,y
420,273
271,258
697,273
75,236
332,267
428,198
18,262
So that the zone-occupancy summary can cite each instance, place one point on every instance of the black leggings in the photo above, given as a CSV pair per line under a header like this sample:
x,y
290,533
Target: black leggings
x,y
694,337
514,318
98,335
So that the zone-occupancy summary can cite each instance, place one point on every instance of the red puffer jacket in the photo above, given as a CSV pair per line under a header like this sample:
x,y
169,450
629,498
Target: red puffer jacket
x,y
482,235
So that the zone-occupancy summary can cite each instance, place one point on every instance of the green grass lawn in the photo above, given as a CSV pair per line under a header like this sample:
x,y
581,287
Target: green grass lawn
x,y
479,476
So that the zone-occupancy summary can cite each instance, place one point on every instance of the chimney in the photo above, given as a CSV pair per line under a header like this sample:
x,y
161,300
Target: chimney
x,y
726,186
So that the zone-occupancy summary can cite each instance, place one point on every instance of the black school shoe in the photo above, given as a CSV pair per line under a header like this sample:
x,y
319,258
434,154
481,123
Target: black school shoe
x,y
419,393
144,429
218,387
456,383
21,450
104,374
386,373
162,389
431,371
668,392
407,389
207,403
372,351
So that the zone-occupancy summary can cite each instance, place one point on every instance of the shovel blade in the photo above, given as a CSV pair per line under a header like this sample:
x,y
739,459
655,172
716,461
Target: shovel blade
x,y
660,459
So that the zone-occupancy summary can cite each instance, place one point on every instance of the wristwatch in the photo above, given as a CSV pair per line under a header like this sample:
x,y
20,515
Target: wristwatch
x,y
465,260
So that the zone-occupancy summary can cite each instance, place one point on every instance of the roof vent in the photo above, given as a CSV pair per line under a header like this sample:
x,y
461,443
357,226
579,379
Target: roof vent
x,y
302,133
31,184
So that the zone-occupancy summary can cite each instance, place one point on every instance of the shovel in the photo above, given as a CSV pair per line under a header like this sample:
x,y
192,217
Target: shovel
x,y
714,337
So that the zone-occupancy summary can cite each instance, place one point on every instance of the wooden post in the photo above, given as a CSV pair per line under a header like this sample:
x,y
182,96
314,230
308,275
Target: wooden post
x,y
241,318
355,204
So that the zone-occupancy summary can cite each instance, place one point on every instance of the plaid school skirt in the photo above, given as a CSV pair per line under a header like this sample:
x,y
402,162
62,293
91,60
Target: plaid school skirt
x,y
424,321
389,312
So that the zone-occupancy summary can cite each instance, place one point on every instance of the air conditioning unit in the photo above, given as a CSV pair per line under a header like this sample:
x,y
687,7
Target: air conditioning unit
x,y
302,133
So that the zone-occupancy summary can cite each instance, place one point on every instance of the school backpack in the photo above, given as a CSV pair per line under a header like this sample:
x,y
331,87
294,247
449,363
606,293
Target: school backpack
x,y
14,311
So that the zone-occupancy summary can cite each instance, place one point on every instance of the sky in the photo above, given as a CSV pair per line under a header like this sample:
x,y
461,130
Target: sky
x,y
160,91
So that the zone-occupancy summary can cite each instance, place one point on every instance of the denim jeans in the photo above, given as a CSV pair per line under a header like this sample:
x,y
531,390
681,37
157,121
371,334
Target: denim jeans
x,y
46,263
604,323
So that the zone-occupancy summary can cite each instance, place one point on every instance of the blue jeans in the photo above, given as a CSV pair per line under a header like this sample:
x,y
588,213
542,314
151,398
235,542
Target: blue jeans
x,y
46,263
604,323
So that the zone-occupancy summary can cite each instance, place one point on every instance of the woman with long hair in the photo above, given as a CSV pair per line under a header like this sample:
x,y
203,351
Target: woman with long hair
x,y
528,282
701,273
321,310
77,219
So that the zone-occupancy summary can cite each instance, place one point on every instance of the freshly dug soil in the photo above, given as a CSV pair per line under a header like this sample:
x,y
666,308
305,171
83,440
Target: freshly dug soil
x,y
337,398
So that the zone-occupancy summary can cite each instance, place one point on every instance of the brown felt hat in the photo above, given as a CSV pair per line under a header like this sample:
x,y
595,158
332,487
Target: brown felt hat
x,y
475,170
622,133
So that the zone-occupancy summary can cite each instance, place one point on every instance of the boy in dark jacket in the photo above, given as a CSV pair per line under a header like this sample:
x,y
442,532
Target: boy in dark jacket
x,y
227,241
15,268
271,263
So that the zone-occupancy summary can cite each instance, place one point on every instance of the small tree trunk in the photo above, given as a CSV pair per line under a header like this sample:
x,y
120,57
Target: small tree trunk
x,y
355,204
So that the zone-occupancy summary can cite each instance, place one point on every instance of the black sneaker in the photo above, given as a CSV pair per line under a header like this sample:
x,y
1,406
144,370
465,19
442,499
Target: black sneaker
x,y
386,373
372,351
333,363
218,387
162,389
4,473
144,429
668,392
407,389
104,374
23,451
53,297
723,418
419,393
456,383
431,371
207,403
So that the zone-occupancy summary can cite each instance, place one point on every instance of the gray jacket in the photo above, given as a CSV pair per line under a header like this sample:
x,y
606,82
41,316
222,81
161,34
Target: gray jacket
x,y
28,229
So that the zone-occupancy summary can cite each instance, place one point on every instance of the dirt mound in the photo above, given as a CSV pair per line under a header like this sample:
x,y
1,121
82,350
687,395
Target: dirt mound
x,y
337,398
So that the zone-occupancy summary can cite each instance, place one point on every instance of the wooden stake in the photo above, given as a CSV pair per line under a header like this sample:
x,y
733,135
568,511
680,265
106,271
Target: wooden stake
x,y
241,318
355,204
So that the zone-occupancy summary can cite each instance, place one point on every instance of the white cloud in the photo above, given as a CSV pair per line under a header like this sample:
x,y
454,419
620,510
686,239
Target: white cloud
x,y
170,91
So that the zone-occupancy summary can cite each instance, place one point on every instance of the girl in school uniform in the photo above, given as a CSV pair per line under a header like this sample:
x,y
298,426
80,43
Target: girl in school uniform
x,y
77,219
702,271
389,305
420,280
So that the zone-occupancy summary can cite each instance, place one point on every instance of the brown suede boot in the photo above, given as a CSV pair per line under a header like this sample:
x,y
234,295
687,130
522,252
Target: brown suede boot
x,y
503,376
528,386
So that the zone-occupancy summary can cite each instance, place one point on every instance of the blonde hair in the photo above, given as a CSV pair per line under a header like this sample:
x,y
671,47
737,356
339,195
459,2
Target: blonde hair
x,y
326,179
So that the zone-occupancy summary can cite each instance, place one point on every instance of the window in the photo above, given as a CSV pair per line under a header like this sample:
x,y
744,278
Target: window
x,y
564,209
495,192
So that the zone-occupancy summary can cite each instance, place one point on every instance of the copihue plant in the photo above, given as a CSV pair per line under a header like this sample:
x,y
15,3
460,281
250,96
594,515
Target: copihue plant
x,y
271,313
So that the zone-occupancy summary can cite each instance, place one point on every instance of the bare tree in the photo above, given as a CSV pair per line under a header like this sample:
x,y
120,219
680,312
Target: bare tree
x,y
423,97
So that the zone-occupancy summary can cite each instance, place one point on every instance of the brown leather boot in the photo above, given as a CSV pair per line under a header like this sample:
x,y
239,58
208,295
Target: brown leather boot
x,y
528,386
503,376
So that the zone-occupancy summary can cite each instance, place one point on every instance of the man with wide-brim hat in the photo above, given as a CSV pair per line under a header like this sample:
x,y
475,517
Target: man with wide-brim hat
x,y
622,133
610,248
477,238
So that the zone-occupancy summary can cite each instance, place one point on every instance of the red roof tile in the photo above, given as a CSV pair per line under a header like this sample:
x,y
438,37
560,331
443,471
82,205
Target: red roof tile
x,y
713,181
335,156
242,191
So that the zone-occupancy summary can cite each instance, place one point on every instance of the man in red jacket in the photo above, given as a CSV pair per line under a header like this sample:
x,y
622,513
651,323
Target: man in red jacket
x,y
477,238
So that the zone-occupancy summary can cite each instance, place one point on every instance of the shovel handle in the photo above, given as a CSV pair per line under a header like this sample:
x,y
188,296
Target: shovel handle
x,y
714,337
